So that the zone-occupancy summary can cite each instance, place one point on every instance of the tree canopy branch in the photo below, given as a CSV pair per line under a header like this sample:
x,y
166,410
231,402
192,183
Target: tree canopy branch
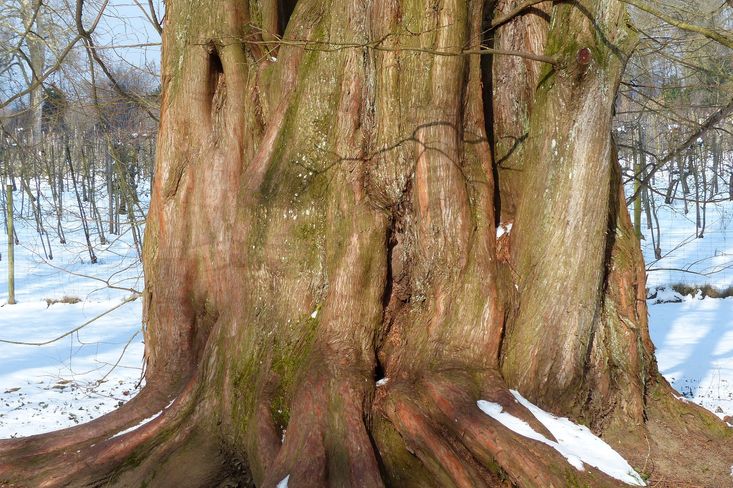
x,y
711,121
725,40
501,20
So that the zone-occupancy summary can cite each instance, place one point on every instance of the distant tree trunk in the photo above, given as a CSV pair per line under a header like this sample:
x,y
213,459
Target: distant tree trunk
x,y
82,213
90,176
32,12
717,167
324,216
111,190
11,242
684,173
637,192
56,184
652,221
703,204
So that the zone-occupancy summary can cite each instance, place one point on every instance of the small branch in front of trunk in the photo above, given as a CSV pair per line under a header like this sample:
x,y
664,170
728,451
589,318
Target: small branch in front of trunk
x,y
518,10
378,45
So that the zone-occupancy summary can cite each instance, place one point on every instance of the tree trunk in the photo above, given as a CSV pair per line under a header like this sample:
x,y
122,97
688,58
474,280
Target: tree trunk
x,y
33,19
324,216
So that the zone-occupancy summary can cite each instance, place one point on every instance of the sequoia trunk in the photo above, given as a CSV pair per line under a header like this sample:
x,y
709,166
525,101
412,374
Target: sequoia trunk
x,y
325,216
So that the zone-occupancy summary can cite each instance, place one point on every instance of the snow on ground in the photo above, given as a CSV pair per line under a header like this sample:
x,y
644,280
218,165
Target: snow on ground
x,y
694,337
88,372
694,341
576,443
685,257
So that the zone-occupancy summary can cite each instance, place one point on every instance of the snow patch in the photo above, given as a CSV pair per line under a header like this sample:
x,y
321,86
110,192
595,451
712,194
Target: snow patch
x,y
314,314
137,426
284,482
666,295
681,398
143,422
495,411
503,229
382,382
576,443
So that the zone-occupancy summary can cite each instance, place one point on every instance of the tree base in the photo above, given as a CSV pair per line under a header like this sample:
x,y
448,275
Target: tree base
x,y
680,444
426,431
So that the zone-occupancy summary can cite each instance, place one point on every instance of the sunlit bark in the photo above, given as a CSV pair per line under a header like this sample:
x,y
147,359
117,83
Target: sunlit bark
x,y
324,215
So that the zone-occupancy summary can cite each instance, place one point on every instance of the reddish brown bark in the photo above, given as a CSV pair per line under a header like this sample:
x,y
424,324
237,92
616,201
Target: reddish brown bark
x,y
324,214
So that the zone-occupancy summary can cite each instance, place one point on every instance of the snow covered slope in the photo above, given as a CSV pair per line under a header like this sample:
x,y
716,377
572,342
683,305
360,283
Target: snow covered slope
x,y
85,373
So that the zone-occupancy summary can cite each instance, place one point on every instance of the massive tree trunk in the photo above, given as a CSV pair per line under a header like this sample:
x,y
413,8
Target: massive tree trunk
x,y
325,215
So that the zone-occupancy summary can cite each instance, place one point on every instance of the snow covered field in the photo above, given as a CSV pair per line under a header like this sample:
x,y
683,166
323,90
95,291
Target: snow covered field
x,y
694,341
85,373
685,258
693,337
695,241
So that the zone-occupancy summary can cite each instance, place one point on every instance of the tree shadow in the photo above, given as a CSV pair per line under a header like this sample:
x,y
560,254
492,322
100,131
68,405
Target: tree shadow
x,y
702,358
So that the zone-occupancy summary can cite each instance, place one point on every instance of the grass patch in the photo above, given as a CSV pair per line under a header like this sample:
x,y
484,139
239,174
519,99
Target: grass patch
x,y
706,290
64,299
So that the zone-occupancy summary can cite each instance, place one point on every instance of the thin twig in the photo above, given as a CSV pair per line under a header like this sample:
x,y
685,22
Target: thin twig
x,y
499,21
119,359
725,40
76,329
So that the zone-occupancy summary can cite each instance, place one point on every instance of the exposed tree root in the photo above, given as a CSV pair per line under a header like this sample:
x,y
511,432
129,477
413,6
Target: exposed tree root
x,y
327,442
359,183
145,430
460,446
331,440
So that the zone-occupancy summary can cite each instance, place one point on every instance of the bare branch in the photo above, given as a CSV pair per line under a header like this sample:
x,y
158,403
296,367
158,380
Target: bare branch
x,y
86,36
499,21
724,39
711,121
154,18
61,57
40,79
75,329
378,45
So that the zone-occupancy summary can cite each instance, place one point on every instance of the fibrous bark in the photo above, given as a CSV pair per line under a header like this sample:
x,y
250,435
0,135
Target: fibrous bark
x,y
324,216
